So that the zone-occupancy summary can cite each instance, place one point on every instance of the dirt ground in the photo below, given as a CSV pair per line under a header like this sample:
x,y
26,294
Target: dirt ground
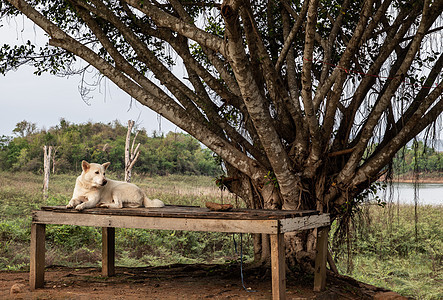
x,y
177,282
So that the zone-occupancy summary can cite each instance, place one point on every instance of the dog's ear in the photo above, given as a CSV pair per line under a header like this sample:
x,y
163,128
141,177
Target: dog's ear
x,y
85,165
106,165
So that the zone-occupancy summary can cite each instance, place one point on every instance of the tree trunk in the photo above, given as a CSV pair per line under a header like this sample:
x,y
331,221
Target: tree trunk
x,y
53,159
300,246
47,169
131,154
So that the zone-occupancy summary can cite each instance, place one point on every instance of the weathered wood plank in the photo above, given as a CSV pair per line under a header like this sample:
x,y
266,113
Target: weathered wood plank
x,y
212,225
37,256
303,223
320,259
189,212
278,266
108,251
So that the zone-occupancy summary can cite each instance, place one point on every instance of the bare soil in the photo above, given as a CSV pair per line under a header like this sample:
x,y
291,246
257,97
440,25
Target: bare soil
x,y
178,282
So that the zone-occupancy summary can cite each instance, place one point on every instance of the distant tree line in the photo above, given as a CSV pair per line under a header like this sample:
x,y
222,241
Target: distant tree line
x,y
173,153
418,157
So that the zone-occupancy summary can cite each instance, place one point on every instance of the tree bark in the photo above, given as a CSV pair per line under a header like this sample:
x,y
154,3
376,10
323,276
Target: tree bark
x,y
47,169
131,154
53,159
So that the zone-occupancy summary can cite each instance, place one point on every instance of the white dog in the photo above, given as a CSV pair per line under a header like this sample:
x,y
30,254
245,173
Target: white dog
x,y
92,189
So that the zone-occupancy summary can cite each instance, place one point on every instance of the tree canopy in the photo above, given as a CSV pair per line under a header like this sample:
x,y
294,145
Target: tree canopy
x,y
306,102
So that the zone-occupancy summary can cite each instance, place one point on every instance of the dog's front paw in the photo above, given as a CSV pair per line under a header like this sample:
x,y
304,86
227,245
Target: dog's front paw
x,y
73,203
80,207
105,205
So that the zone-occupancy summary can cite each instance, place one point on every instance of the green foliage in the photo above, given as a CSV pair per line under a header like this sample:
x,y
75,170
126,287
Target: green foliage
x,y
71,237
96,142
154,247
423,159
271,179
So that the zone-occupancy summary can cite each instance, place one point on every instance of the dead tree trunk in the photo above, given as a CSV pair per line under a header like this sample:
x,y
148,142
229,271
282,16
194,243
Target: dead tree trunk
x,y
131,155
47,169
53,159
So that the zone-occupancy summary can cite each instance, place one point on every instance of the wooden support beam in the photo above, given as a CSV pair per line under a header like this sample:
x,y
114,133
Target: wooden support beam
x,y
320,259
278,266
108,251
37,256
304,223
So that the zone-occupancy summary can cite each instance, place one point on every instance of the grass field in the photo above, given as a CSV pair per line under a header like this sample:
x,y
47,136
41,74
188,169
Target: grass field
x,y
385,249
20,193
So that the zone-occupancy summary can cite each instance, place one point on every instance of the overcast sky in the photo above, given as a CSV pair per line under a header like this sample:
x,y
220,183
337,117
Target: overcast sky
x,y
47,98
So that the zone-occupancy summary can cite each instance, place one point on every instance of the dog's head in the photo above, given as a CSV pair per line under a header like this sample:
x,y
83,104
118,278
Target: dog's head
x,y
94,174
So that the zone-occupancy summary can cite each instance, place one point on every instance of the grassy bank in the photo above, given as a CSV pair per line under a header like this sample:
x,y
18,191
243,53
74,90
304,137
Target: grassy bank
x,y
20,193
388,249
385,248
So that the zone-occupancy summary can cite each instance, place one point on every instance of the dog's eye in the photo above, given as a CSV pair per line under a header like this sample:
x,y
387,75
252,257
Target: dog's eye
x,y
104,174
97,172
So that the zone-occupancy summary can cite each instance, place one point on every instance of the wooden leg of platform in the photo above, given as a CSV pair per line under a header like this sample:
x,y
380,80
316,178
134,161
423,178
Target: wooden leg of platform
x,y
278,266
108,251
320,259
37,256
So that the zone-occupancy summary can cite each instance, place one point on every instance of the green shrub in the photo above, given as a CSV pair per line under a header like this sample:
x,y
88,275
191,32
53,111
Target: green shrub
x,y
71,237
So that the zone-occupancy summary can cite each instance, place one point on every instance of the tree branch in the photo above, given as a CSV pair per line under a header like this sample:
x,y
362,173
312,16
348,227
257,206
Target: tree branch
x,y
300,145
331,40
306,92
419,121
390,42
172,112
347,172
254,101
163,19
291,35
262,62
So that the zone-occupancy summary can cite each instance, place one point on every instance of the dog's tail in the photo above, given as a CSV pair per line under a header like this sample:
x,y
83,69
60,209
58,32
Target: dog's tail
x,y
152,203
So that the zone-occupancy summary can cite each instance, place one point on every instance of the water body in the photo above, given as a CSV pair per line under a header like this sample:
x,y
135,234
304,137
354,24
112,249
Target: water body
x,y
428,193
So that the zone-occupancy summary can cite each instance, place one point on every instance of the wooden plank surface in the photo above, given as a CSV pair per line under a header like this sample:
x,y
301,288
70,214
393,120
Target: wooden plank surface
x,y
190,212
185,218
151,222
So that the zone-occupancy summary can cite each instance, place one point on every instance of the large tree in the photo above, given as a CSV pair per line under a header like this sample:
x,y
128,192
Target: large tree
x,y
305,102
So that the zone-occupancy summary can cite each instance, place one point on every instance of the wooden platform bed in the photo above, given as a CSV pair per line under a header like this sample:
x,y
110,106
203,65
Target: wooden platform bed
x,y
274,223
